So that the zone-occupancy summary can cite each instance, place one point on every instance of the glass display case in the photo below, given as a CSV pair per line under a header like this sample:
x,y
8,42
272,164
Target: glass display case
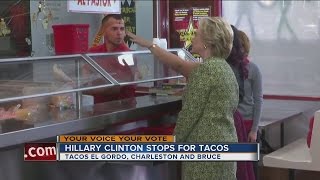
x,y
76,73
50,99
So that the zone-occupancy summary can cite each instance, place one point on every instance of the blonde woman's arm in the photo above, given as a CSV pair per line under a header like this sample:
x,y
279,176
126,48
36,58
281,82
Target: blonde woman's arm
x,y
174,61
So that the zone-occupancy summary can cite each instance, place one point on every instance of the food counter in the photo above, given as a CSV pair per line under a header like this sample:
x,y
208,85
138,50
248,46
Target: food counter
x,y
113,114
51,99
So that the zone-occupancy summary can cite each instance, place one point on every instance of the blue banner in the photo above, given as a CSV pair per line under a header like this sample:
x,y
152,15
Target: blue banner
x,y
158,147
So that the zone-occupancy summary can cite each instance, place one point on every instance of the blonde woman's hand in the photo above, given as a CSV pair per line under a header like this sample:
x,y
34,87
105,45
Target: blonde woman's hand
x,y
139,40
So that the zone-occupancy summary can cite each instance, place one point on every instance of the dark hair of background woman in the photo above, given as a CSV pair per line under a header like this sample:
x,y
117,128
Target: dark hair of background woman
x,y
235,60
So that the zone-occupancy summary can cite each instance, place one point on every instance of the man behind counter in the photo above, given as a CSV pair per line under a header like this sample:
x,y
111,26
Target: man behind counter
x,y
113,30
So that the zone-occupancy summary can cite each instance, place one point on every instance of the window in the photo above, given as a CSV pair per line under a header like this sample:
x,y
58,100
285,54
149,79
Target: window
x,y
284,42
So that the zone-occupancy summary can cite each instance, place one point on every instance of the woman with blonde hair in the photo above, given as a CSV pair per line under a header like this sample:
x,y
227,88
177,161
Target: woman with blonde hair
x,y
211,95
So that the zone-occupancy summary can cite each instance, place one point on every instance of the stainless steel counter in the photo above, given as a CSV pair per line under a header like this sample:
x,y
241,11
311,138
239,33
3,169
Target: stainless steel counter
x,y
108,116
90,118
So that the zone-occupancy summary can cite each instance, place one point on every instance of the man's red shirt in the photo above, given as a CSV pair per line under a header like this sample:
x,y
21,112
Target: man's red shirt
x,y
118,71
103,48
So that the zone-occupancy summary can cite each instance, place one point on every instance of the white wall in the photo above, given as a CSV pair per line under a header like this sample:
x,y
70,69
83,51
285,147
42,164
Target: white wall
x,y
40,43
144,19
144,23
289,60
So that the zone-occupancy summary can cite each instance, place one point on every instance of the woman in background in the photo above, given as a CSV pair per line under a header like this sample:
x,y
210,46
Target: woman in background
x,y
235,60
245,170
251,105
211,95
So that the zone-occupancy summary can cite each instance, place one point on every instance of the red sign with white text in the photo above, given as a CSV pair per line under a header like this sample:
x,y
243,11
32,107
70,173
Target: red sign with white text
x,y
40,152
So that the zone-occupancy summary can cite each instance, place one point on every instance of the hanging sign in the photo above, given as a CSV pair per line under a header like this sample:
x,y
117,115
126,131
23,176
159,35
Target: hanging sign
x,y
95,6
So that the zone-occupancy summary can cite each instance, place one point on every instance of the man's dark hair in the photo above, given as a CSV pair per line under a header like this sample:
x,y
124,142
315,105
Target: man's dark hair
x,y
107,17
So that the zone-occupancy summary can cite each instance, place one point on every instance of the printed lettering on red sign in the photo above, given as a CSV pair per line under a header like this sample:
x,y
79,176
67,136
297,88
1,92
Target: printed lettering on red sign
x,y
40,152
